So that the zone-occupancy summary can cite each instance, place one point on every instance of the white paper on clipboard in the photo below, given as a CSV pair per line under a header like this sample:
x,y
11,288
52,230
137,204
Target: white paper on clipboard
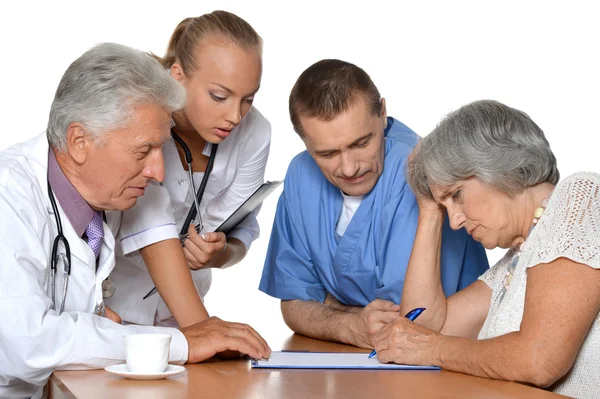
x,y
329,360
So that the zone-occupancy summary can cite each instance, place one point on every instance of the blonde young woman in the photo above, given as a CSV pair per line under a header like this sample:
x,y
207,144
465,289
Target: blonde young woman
x,y
217,57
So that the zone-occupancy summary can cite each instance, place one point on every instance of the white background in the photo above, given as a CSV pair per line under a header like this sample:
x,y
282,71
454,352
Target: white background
x,y
426,57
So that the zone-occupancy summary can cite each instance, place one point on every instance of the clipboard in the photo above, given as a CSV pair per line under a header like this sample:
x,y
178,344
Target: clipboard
x,y
248,206
251,203
257,197
329,360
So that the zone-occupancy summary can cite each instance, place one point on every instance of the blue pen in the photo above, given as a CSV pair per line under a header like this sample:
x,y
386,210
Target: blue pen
x,y
412,315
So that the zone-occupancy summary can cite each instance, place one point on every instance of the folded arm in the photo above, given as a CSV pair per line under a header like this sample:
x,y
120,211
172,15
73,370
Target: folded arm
x,y
333,321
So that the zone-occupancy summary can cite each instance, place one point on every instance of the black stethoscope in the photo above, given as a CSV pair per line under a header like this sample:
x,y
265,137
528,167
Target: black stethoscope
x,y
60,238
195,208
108,285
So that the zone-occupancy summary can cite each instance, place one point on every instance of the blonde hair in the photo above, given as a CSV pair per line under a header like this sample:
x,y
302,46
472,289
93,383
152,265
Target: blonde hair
x,y
191,31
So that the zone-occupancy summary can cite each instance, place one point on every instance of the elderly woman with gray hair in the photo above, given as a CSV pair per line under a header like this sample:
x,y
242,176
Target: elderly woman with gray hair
x,y
533,317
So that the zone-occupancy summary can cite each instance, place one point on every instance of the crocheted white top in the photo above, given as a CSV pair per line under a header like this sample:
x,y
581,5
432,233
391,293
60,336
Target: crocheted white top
x,y
569,228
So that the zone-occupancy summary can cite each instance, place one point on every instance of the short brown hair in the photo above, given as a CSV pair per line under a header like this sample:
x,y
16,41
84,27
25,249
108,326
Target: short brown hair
x,y
328,88
191,31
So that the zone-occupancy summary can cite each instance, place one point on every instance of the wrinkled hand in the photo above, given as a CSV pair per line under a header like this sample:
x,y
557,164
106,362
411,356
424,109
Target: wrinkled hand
x,y
429,206
405,342
213,336
199,249
372,318
112,315
426,204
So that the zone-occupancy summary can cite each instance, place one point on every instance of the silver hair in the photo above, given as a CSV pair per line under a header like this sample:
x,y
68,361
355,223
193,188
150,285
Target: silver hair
x,y
499,145
100,89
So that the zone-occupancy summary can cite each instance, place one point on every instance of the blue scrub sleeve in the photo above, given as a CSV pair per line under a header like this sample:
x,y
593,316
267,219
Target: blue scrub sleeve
x,y
398,234
288,272
475,263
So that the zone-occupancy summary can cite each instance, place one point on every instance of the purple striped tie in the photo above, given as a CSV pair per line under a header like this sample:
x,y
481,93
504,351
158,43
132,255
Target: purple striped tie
x,y
94,233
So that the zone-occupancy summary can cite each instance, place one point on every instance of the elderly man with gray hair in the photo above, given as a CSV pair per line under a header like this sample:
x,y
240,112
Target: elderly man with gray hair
x,y
533,317
59,197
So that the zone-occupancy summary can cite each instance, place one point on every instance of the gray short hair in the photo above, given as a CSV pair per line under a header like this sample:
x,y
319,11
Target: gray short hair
x,y
488,140
100,89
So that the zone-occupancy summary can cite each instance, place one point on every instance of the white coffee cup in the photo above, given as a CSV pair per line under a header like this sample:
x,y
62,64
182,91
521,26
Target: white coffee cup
x,y
147,353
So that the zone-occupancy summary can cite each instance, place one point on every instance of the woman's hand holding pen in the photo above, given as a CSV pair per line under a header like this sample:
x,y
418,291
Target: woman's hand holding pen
x,y
199,249
405,342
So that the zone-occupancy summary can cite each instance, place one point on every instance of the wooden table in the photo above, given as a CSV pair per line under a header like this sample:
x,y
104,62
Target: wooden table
x,y
236,379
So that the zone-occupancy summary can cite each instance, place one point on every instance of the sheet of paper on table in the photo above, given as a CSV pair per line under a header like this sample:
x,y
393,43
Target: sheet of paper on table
x,y
329,360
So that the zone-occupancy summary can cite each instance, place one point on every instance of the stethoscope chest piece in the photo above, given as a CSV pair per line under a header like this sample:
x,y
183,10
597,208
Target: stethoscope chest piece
x,y
108,287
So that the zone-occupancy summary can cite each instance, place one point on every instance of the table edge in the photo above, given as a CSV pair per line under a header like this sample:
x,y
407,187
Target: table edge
x,y
55,381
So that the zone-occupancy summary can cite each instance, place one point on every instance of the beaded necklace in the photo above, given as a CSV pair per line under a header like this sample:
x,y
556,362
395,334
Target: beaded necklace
x,y
537,214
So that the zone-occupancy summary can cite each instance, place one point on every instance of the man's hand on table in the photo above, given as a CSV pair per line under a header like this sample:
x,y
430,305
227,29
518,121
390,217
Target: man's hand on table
x,y
370,320
213,336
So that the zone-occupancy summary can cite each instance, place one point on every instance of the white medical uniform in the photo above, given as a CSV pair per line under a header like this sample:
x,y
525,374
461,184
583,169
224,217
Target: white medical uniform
x,y
238,171
35,340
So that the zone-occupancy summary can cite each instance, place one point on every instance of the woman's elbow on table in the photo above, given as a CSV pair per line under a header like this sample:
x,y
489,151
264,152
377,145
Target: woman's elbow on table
x,y
544,367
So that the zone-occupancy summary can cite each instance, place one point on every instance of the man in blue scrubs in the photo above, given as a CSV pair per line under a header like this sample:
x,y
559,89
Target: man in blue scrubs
x,y
346,220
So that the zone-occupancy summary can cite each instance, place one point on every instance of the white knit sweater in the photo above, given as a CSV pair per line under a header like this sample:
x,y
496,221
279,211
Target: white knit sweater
x,y
569,228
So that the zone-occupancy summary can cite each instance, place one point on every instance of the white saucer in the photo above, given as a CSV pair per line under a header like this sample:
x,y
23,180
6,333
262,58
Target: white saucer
x,y
123,371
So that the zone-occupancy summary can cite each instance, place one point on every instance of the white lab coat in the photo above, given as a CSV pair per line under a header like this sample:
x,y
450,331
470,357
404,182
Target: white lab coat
x,y
238,171
35,340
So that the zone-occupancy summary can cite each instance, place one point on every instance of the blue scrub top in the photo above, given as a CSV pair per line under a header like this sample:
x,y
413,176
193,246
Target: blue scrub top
x,y
305,260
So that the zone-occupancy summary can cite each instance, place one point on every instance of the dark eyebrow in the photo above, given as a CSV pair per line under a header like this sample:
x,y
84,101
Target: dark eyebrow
x,y
325,152
363,138
228,90
354,143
